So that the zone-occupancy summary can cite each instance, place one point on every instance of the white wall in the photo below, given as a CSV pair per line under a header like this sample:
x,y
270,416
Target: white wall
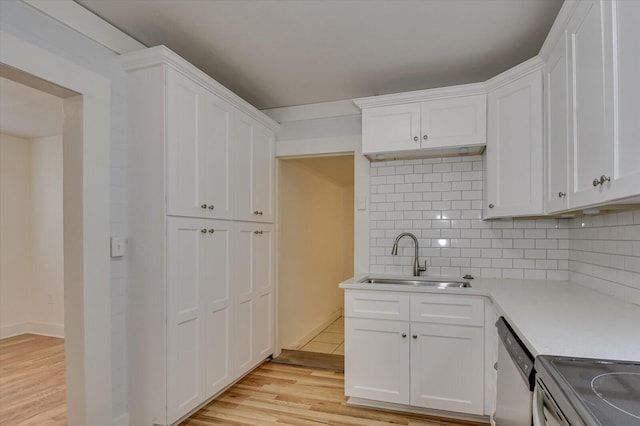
x,y
46,298
24,22
315,246
32,274
15,232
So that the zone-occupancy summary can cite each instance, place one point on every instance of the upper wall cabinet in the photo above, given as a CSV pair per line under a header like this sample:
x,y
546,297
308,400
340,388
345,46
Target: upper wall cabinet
x,y
514,145
253,184
556,86
596,44
198,143
426,123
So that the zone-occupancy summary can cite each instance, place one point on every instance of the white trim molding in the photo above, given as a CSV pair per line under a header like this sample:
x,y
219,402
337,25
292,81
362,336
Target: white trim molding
x,y
163,55
312,111
527,67
87,23
422,95
40,328
558,28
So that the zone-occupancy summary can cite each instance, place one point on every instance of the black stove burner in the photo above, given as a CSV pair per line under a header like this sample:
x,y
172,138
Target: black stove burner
x,y
602,392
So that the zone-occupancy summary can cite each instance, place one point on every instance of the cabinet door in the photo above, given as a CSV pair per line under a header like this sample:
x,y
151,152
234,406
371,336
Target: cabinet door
x,y
514,149
557,128
447,367
198,142
216,298
626,34
253,284
377,360
454,122
253,160
188,269
591,153
391,128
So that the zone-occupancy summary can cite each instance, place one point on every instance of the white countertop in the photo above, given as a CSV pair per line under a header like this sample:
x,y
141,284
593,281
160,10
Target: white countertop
x,y
551,317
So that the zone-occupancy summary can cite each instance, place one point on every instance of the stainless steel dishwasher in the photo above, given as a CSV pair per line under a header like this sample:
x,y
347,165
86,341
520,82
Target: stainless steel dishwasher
x,y
516,379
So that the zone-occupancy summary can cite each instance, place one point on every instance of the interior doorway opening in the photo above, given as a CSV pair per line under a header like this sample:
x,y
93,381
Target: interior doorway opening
x,y
32,314
315,252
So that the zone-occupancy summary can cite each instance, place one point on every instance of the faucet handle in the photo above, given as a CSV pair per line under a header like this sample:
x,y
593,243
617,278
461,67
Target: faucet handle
x,y
422,268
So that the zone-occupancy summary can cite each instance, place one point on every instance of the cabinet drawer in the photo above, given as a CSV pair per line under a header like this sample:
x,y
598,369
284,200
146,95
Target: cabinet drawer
x,y
457,310
363,304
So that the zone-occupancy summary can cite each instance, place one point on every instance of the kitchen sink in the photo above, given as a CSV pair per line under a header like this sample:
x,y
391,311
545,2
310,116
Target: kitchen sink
x,y
417,282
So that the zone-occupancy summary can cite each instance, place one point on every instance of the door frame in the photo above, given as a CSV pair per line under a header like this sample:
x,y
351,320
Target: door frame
x,y
86,205
324,147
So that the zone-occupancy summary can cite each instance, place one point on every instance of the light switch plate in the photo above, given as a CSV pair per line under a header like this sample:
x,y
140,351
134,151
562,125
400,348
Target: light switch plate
x,y
118,246
362,202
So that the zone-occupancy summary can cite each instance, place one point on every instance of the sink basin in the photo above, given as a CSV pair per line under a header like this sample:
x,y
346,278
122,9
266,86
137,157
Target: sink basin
x,y
417,282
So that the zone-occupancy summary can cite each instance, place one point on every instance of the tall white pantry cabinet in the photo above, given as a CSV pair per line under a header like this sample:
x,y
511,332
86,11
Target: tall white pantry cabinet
x,y
200,305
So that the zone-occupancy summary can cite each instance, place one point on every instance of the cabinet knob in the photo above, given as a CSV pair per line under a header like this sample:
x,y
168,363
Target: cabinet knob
x,y
604,179
211,207
203,230
491,206
562,194
415,336
204,206
257,212
404,335
596,182
416,139
257,232
425,137
211,231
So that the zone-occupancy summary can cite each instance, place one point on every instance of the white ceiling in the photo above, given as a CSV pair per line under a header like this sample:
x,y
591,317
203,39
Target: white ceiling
x,y
29,113
276,53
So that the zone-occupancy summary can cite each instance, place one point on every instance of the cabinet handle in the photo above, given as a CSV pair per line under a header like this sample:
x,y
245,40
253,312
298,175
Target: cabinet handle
x,y
562,194
416,139
491,206
425,137
404,335
211,231
211,207
604,179
257,232
204,206
596,182
257,212
203,230
415,336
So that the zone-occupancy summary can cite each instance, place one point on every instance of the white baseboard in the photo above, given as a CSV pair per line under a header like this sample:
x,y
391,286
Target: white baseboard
x,y
40,328
123,420
313,333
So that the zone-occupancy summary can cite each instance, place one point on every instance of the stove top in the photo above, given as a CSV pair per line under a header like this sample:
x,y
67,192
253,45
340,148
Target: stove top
x,y
601,392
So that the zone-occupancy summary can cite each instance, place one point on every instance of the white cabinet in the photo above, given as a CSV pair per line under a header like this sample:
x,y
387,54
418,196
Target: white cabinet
x,y
439,125
556,86
253,187
591,153
198,312
423,350
514,147
447,367
193,261
198,149
253,295
376,360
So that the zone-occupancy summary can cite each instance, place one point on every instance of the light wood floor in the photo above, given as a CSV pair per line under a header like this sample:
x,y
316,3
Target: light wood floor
x,y
277,394
32,381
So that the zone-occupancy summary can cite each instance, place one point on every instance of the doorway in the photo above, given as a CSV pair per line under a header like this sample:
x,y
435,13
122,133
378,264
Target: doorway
x,y
315,254
31,256
86,214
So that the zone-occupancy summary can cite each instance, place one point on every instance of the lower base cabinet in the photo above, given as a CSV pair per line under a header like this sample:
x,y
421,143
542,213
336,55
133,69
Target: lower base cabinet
x,y
431,365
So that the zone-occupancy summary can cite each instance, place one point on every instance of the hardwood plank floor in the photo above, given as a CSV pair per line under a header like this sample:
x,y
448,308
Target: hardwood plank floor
x,y
278,394
32,381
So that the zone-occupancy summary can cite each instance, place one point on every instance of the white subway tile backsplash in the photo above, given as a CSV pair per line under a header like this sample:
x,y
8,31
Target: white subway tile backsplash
x,y
440,201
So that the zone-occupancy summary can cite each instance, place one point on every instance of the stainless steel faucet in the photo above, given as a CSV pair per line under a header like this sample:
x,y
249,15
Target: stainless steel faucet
x,y
416,264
